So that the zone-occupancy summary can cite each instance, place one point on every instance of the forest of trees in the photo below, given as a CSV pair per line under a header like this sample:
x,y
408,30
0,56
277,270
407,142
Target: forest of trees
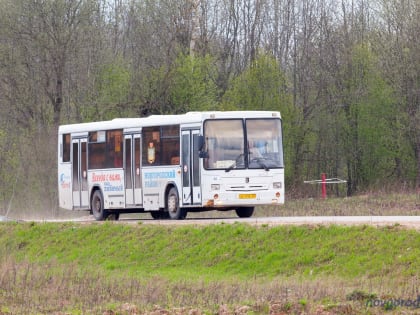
x,y
345,75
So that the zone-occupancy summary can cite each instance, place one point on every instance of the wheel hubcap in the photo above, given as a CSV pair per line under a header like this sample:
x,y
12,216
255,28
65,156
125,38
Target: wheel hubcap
x,y
97,205
172,203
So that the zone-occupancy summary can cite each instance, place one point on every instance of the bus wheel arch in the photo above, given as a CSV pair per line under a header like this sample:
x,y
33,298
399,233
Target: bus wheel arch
x,y
97,205
172,204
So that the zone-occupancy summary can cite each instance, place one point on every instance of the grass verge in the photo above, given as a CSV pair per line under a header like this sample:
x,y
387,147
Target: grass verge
x,y
89,269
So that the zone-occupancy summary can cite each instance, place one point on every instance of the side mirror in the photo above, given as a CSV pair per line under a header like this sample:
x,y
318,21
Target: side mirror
x,y
200,142
201,154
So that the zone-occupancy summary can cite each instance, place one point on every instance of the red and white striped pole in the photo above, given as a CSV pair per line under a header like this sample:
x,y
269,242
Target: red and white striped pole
x,y
324,185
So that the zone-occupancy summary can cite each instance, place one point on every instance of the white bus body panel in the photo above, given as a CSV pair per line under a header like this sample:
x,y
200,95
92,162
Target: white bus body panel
x,y
242,188
111,184
155,181
65,186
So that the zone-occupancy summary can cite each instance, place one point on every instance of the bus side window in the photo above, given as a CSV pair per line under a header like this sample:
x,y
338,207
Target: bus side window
x,y
114,148
151,146
175,160
170,151
151,153
66,147
118,161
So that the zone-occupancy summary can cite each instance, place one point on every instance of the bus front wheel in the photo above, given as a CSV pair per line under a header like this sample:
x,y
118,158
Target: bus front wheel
x,y
97,206
172,205
245,212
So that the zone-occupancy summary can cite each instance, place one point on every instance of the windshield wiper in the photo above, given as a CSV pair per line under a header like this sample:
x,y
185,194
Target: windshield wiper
x,y
231,167
261,163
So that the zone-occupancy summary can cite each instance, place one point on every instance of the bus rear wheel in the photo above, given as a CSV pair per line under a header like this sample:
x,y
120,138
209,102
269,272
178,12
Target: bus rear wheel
x,y
159,215
245,212
172,205
115,216
97,206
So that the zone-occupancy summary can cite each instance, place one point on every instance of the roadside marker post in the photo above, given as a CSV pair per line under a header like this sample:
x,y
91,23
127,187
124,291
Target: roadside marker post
x,y
324,181
324,185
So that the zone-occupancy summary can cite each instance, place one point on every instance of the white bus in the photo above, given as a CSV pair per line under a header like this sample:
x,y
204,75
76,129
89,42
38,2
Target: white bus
x,y
169,165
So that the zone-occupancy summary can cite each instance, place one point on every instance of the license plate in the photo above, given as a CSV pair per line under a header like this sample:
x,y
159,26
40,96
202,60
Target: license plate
x,y
247,196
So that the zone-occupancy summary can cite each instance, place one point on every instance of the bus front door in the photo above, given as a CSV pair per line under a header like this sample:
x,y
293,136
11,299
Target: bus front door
x,y
132,170
191,189
79,174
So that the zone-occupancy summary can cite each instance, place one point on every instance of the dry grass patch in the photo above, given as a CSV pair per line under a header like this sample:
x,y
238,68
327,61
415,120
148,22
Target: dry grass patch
x,y
30,288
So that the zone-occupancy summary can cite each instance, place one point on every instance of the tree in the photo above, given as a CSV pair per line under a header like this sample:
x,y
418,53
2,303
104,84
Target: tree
x,y
379,142
192,84
350,88
263,86
400,47
112,87
9,170
48,33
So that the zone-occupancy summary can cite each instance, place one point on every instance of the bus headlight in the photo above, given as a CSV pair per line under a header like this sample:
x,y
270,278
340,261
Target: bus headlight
x,y
215,186
277,185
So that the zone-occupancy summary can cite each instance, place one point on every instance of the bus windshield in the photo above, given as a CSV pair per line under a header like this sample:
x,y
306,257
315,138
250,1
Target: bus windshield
x,y
239,144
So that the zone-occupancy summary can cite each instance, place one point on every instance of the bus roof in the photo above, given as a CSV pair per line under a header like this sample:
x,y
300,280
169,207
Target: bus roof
x,y
161,120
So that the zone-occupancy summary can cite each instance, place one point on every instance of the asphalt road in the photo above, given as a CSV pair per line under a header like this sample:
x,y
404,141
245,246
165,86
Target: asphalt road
x,y
407,221
403,221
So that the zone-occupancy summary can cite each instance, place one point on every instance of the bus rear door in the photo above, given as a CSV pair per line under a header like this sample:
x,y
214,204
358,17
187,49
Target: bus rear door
x,y
132,170
80,186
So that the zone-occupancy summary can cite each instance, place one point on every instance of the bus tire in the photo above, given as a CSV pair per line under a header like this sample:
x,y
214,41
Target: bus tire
x,y
159,215
244,212
114,216
97,206
172,205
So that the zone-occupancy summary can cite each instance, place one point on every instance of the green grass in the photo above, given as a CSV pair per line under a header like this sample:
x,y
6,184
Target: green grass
x,y
113,268
92,268
218,251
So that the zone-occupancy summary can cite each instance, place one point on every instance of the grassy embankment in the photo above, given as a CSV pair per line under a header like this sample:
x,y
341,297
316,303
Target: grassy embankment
x,y
70,268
